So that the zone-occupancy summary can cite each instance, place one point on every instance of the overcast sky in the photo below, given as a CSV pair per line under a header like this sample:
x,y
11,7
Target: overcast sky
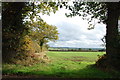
x,y
73,32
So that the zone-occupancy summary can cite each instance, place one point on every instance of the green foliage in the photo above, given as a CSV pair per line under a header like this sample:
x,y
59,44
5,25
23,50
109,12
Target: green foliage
x,y
12,28
15,16
36,47
92,9
26,45
34,8
41,30
43,33
25,52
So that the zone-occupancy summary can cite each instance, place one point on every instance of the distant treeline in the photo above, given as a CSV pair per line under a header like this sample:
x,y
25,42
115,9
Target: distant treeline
x,y
76,49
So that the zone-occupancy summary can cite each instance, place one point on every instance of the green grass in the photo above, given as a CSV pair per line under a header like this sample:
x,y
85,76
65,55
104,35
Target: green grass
x,y
63,64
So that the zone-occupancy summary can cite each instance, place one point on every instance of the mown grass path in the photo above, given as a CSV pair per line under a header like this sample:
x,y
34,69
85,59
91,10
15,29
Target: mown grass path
x,y
62,65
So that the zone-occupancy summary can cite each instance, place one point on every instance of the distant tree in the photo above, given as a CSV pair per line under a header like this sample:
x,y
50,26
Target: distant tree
x,y
79,49
43,33
90,49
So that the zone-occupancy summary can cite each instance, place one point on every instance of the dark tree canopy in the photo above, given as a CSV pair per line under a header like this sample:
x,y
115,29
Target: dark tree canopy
x,y
92,9
14,26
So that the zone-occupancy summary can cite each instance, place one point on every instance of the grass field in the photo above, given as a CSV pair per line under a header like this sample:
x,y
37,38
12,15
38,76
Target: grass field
x,y
62,64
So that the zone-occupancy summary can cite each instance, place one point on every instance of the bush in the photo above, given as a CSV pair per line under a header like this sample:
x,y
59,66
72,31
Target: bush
x,y
26,52
101,60
26,47
36,47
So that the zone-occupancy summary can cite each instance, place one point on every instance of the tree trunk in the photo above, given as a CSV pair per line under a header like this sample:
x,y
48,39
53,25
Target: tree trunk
x,y
41,45
112,57
112,42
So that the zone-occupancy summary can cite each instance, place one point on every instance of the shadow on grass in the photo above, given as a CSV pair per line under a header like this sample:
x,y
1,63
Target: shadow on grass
x,y
87,72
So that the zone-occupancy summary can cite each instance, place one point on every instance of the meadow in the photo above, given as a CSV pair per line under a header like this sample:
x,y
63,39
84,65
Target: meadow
x,y
62,65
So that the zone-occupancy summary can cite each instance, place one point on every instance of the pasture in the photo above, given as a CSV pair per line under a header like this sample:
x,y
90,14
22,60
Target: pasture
x,y
62,65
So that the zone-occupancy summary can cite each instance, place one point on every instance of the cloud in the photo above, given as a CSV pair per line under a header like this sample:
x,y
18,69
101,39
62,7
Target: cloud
x,y
74,32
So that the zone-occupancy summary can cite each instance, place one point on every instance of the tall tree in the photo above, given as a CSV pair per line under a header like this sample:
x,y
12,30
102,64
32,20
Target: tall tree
x,y
12,28
43,33
14,17
107,13
112,40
